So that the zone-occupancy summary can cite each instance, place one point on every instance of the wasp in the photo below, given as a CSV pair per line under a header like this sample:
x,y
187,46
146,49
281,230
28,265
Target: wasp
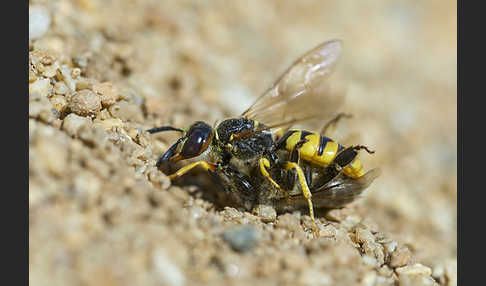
x,y
260,160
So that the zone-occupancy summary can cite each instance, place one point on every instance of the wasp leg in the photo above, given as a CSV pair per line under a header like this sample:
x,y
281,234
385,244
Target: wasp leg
x,y
206,165
330,126
294,156
347,155
305,190
264,164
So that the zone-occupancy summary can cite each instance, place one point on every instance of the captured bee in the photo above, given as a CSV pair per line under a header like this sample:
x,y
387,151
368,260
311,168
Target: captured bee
x,y
260,160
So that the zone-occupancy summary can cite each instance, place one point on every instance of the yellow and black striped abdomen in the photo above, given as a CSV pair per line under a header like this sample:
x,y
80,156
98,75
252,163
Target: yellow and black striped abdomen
x,y
320,150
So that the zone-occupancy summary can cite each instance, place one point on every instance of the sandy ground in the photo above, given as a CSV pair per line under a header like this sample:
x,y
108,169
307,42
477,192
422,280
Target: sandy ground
x,y
102,72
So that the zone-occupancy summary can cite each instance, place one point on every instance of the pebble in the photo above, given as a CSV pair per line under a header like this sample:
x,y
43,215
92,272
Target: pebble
x,y
109,124
451,271
446,272
72,123
107,93
327,231
63,74
241,238
39,21
126,111
84,83
400,257
53,154
39,88
60,88
36,108
85,102
59,103
337,215
166,270
289,222
265,213
416,269
315,277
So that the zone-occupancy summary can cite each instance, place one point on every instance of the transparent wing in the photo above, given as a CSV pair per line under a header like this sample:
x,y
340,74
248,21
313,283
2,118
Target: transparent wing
x,y
337,193
302,91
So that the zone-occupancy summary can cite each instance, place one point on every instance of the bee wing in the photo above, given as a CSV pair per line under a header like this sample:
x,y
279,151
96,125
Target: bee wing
x,y
302,92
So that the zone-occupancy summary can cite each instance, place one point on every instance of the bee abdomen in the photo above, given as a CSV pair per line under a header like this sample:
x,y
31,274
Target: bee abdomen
x,y
320,150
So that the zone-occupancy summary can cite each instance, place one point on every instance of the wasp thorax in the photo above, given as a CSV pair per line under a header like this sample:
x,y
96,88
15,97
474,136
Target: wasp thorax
x,y
199,137
239,137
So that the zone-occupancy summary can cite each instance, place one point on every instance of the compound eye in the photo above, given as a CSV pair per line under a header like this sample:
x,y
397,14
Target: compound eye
x,y
198,139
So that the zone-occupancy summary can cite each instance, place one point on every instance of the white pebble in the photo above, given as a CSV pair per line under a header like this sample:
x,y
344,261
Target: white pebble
x,y
166,270
39,21
414,270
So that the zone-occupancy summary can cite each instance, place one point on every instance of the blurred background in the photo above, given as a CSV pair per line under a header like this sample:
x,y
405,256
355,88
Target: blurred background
x,y
206,60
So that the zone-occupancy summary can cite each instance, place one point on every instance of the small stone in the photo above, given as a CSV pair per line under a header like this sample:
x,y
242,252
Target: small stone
x,y
404,280
109,123
63,74
390,246
351,221
72,123
53,154
39,88
315,277
369,279
75,72
87,186
337,215
414,270
85,102
36,108
265,213
241,238
107,93
168,272
32,76
50,70
126,111
446,272
59,103
84,83
400,257
158,178
60,88
39,21
327,231
451,271
385,271
289,222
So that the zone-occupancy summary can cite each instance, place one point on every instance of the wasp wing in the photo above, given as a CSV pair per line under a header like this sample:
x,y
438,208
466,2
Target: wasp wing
x,y
337,193
302,91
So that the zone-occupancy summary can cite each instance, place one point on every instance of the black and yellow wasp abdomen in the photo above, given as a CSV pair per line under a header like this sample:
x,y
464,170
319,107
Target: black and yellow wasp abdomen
x,y
319,150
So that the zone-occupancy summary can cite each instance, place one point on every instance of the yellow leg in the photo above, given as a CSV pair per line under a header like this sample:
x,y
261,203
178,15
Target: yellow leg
x,y
305,190
264,164
207,166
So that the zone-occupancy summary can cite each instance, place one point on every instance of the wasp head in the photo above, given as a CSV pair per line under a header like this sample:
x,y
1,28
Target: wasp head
x,y
193,142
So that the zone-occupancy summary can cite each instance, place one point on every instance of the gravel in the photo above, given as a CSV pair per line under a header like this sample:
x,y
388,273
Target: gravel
x,y
39,21
100,212
241,238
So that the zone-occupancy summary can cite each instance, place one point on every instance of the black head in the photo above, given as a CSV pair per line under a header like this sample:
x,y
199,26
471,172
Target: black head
x,y
194,141
198,138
